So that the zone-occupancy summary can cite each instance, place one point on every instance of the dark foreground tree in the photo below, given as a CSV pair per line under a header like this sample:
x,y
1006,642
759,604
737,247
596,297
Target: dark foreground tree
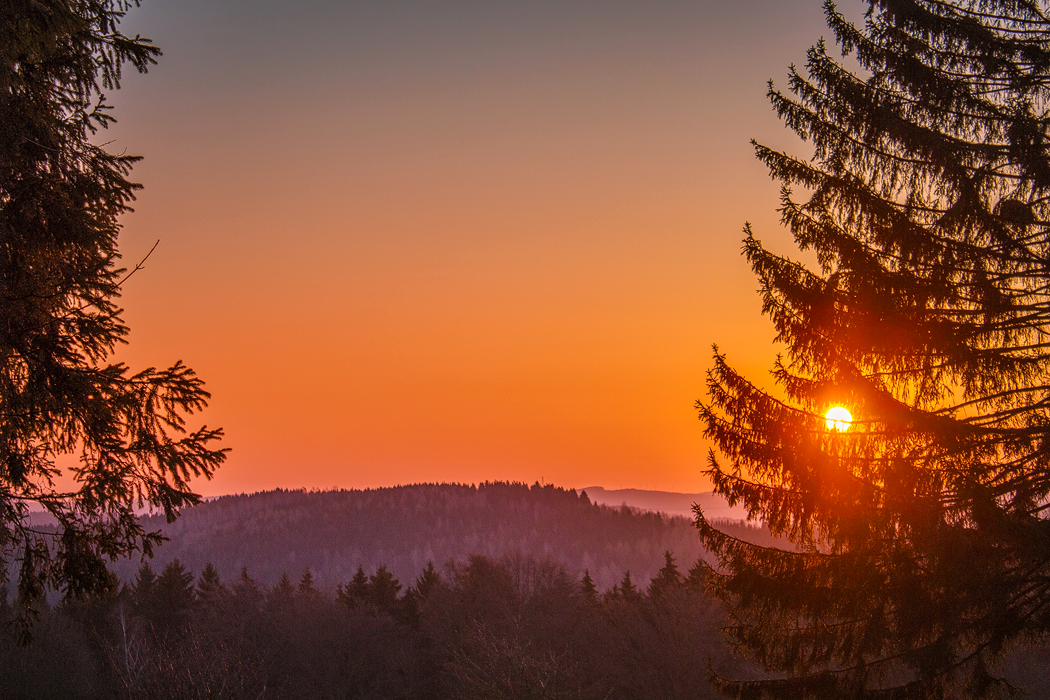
x,y
61,196
923,541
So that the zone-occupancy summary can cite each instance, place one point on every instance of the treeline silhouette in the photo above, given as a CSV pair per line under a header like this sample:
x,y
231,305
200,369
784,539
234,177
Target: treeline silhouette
x,y
233,606
518,627
334,532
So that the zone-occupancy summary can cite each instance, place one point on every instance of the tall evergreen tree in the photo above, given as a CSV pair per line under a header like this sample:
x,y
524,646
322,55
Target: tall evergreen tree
x,y
923,542
283,592
210,588
696,578
61,198
383,589
356,591
307,588
143,591
626,590
174,596
247,595
588,591
667,579
427,582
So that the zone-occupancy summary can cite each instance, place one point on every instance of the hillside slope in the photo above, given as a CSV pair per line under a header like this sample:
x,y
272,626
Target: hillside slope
x,y
404,527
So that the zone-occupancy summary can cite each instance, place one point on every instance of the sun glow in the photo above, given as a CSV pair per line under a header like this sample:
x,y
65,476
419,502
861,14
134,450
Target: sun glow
x,y
838,418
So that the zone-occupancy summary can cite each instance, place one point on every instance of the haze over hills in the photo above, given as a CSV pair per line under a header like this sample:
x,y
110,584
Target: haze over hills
x,y
668,502
519,614
681,504
334,532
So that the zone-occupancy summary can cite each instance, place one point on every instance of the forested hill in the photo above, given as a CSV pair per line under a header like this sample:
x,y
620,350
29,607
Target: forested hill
x,y
404,527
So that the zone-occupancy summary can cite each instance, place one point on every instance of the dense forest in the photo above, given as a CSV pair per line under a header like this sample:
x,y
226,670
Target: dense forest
x,y
334,532
506,605
481,628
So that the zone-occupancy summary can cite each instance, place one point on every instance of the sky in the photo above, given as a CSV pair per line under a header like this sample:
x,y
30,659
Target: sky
x,y
417,241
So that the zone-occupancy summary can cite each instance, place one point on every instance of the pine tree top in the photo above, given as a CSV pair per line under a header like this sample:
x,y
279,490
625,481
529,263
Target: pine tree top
x,y
62,195
919,530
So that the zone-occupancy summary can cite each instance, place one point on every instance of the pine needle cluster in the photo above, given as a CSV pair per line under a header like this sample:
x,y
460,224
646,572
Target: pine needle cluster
x,y
61,397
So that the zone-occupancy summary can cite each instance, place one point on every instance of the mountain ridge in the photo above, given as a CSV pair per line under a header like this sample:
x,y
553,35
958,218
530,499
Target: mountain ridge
x,y
403,527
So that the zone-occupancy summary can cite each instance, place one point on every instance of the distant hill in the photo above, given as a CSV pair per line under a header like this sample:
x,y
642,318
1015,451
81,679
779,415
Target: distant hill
x,y
404,527
715,507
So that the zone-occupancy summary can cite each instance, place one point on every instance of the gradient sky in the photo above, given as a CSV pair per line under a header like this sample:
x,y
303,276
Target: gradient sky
x,y
412,241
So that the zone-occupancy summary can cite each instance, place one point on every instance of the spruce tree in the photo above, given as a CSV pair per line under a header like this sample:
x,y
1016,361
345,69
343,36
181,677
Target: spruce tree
x,y
923,548
696,578
427,582
667,579
356,591
626,590
143,591
307,589
173,594
210,588
588,591
61,198
247,594
283,591
383,590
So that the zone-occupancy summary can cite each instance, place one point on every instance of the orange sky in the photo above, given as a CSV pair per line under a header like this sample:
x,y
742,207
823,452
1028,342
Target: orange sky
x,y
409,241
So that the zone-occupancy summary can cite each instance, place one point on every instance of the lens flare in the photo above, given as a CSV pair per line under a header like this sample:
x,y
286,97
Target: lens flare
x,y
838,418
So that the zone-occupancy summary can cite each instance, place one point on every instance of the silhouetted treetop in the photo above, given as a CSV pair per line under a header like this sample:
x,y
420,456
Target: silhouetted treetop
x,y
588,590
210,588
667,579
61,198
922,525
306,584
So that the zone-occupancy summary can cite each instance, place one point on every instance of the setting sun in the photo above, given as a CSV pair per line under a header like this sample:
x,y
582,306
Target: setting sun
x,y
838,418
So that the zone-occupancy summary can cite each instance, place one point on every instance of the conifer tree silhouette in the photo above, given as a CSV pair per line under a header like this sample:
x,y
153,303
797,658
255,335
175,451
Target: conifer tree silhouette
x,y
588,591
356,591
383,589
210,588
626,590
247,595
283,591
61,198
174,597
667,579
921,529
427,582
307,589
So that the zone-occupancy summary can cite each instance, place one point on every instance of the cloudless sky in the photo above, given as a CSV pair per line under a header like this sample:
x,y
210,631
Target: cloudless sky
x,y
410,240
